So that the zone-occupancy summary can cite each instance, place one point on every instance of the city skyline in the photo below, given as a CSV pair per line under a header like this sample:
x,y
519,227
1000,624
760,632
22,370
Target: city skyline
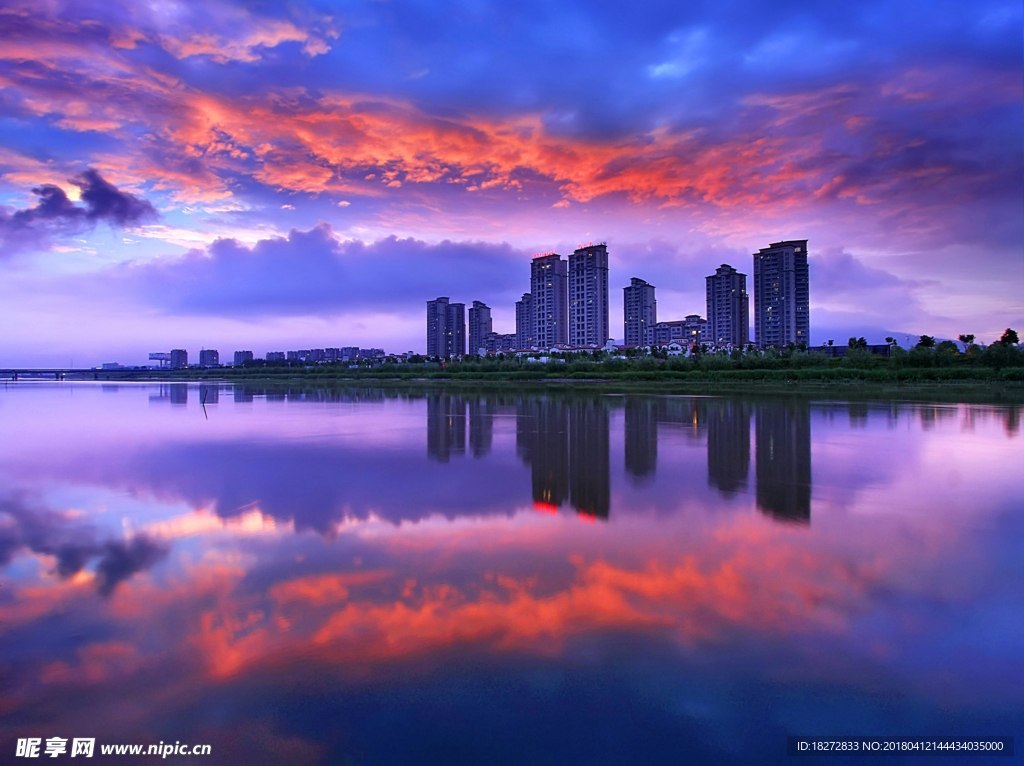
x,y
300,175
568,301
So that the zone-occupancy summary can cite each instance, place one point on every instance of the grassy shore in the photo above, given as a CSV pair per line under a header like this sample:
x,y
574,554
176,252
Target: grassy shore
x,y
932,384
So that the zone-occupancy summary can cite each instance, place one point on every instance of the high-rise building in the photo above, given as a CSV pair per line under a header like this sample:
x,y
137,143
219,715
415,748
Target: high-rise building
x,y
781,294
241,357
549,290
640,312
728,307
456,329
179,358
275,356
437,328
479,326
524,321
588,296
446,328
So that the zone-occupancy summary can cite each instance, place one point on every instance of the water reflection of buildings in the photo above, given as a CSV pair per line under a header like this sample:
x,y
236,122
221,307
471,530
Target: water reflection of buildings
x,y
209,394
446,426
784,460
178,393
644,415
565,442
728,445
783,437
481,425
641,438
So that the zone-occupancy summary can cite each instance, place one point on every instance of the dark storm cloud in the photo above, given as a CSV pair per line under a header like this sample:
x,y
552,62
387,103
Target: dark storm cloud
x,y
312,272
105,202
120,559
55,214
29,526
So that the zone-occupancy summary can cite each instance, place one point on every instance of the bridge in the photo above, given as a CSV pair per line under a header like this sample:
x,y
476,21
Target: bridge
x,y
55,373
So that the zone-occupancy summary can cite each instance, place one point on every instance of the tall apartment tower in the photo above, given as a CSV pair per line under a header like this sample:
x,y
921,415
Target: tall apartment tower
x,y
437,327
524,321
588,296
209,357
728,307
781,294
549,291
479,326
456,329
640,312
446,328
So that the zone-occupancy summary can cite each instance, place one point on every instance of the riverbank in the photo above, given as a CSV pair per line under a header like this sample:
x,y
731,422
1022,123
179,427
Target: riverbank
x,y
934,384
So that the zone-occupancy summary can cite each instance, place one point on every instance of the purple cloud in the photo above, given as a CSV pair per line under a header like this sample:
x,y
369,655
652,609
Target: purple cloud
x,y
314,273
56,214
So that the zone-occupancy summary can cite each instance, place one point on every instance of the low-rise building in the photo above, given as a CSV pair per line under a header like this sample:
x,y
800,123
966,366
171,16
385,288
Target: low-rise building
x,y
693,329
499,343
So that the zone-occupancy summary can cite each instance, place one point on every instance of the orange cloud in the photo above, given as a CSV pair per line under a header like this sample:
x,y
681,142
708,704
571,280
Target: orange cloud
x,y
762,584
195,143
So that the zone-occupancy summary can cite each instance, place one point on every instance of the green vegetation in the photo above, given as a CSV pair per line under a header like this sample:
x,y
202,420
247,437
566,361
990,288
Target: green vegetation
x,y
928,365
928,369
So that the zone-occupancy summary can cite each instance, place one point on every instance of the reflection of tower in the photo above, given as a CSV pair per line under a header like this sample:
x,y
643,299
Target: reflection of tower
x,y
446,426
728,445
685,415
481,426
542,440
641,437
784,460
179,393
566,444
209,394
589,481
242,394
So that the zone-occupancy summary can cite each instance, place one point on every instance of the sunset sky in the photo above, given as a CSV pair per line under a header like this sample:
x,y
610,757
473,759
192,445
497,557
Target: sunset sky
x,y
271,176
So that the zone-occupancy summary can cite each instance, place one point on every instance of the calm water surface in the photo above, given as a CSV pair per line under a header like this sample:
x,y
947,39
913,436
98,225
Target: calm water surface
x,y
443,576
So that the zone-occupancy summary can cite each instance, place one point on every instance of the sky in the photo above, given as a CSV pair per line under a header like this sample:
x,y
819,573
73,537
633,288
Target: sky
x,y
272,176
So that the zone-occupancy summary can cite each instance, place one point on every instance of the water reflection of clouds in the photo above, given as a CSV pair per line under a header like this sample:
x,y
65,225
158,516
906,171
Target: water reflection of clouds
x,y
426,552
740,577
